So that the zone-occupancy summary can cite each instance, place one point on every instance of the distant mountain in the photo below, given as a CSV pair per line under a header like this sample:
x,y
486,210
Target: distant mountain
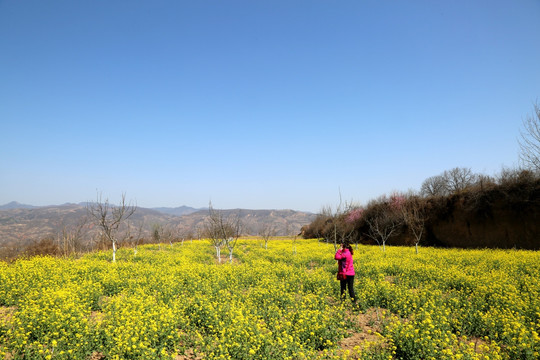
x,y
22,224
285,222
178,211
16,205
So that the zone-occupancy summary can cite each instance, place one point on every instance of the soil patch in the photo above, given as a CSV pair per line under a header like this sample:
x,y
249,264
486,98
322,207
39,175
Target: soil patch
x,y
6,313
368,325
189,354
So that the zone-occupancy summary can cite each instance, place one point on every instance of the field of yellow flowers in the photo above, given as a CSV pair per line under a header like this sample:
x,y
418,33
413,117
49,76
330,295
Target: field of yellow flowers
x,y
177,302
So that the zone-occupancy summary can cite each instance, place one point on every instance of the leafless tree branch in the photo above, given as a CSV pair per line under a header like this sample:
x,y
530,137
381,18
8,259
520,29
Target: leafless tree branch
x,y
109,217
529,141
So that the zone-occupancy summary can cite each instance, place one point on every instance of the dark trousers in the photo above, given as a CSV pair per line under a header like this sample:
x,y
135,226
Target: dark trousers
x,y
348,283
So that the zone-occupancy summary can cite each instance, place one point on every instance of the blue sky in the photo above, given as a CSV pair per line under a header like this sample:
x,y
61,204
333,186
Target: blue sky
x,y
258,104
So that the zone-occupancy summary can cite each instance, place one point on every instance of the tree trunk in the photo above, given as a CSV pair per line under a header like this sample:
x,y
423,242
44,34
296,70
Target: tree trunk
x,y
114,250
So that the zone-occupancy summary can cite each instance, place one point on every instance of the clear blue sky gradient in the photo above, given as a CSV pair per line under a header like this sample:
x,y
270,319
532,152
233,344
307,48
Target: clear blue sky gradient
x,y
258,104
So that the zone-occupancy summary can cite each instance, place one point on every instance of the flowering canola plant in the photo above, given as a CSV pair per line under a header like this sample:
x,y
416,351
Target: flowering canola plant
x,y
277,303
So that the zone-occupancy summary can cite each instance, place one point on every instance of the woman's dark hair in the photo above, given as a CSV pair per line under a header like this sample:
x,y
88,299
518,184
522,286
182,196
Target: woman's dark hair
x,y
348,246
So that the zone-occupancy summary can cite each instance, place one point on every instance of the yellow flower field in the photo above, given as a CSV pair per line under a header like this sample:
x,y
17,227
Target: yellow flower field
x,y
278,303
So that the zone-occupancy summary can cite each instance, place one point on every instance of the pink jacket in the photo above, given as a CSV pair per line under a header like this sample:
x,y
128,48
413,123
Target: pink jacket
x,y
345,262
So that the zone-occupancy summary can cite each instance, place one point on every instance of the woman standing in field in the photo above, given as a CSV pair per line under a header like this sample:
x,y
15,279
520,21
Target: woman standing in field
x,y
346,269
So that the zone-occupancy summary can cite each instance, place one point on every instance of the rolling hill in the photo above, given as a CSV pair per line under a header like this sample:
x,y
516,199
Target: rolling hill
x,y
21,225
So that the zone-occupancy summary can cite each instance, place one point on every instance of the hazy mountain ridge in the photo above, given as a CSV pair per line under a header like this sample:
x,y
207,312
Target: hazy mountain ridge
x,y
16,205
178,211
22,224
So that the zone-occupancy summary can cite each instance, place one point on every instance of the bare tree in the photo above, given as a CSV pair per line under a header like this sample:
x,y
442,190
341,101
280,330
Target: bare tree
x,y
352,218
235,227
126,236
290,231
384,219
266,232
69,237
138,237
449,182
169,234
157,233
222,231
109,218
458,179
331,230
336,228
529,142
414,215
434,186
484,182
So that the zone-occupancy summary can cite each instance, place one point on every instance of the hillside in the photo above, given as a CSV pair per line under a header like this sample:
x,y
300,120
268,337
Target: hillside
x,y
502,213
16,205
22,226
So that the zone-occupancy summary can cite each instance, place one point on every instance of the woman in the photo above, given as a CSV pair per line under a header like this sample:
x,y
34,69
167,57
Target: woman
x,y
346,268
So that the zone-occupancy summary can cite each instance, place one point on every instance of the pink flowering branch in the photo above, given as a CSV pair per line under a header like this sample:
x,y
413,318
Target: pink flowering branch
x,y
397,201
354,215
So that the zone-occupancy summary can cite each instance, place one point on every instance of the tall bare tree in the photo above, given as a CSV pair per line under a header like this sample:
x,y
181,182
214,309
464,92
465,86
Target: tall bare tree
x,y
529,142
336,228
415,215
384,219
266,232
222,231
449,182
109,218
458,179
434,186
